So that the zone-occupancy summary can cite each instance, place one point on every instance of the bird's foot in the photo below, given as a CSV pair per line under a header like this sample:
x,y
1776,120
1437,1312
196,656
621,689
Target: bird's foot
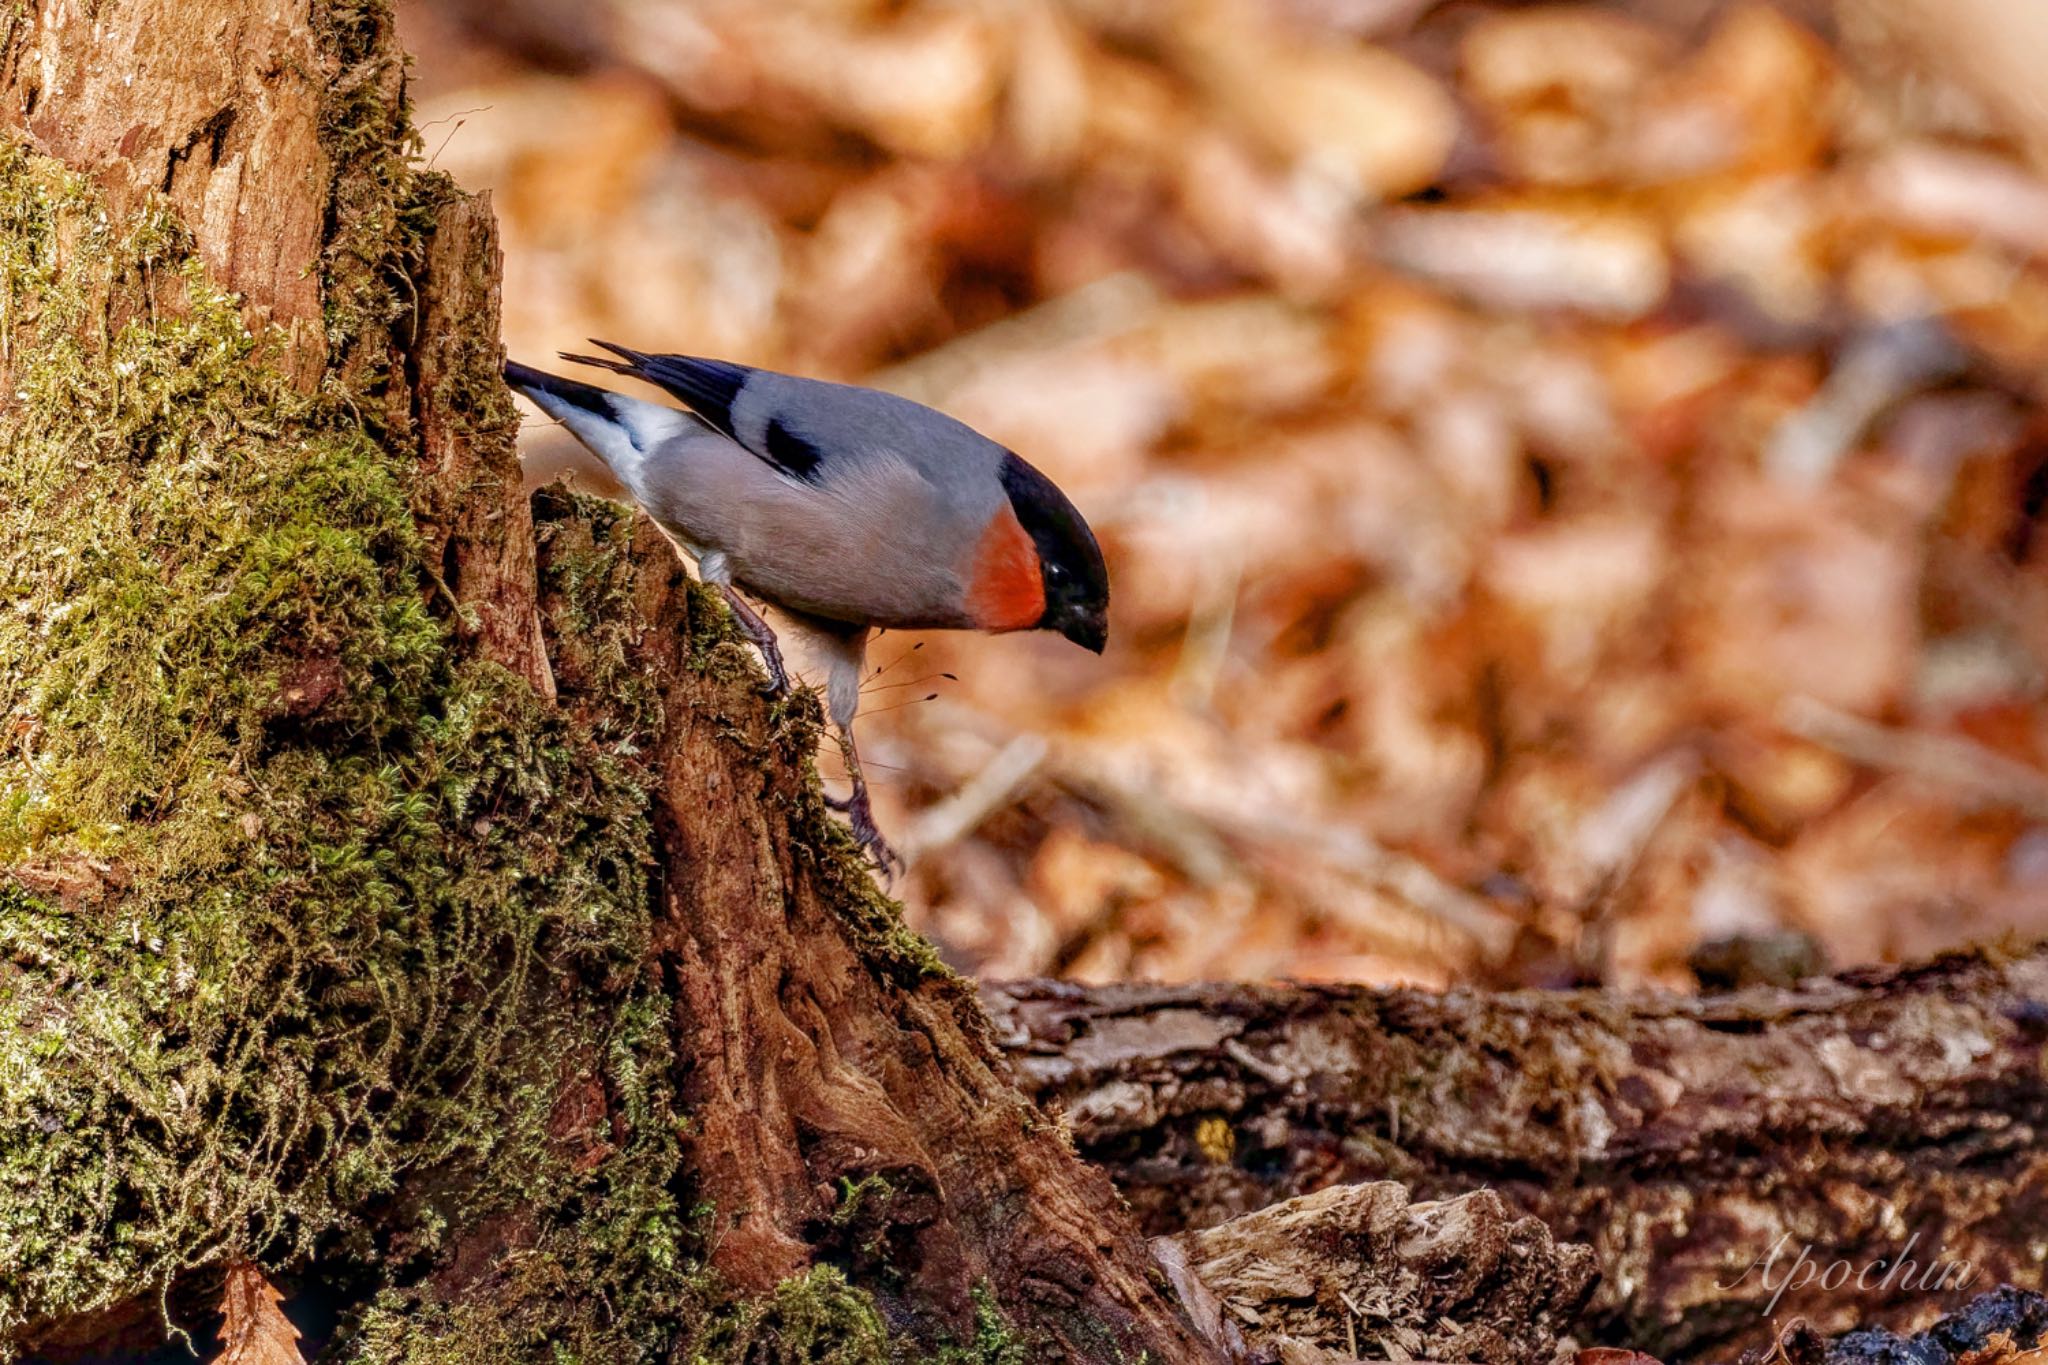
x,y
860,818
762,636
778,677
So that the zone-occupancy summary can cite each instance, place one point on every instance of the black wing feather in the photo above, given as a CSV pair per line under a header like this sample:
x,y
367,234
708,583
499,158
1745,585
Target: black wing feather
x,y
791,453
710,387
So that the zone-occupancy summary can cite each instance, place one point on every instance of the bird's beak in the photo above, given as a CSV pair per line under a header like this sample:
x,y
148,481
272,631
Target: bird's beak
x,y
1089,630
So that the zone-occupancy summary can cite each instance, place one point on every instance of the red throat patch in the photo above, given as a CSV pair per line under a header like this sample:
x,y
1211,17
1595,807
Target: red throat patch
x,y
1006,591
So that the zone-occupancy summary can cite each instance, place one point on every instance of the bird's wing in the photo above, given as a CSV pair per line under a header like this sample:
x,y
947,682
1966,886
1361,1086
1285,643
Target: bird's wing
x,y
711,388
618,428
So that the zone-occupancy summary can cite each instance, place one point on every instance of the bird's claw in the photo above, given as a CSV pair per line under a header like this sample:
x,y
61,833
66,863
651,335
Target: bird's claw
x,y
885,859
762,637
860,819
777,685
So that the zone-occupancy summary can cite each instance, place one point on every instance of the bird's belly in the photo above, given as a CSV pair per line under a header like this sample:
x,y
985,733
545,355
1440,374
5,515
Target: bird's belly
x,y
903,595
883,560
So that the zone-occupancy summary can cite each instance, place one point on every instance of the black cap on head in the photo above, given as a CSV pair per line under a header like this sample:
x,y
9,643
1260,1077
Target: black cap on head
x,y
1069,561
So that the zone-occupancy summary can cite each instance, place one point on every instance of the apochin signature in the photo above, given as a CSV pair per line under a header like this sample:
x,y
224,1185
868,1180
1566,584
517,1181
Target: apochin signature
x,y
1938,1275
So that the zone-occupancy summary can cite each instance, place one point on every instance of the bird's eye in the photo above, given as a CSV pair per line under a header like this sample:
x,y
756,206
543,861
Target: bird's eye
x,y
1055,571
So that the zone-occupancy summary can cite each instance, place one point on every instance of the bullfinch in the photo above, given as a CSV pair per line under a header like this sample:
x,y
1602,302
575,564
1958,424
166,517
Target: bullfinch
x,y
846,509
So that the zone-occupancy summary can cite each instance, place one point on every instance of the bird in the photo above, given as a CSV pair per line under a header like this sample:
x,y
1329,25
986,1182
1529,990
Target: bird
x,y
846,509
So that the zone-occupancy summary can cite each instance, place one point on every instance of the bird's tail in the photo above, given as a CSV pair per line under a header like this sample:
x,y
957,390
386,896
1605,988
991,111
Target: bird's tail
x,y
550,391
619,430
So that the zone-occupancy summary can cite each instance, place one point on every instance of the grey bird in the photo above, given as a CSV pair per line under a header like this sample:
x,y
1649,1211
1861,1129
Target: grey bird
x,y
847,509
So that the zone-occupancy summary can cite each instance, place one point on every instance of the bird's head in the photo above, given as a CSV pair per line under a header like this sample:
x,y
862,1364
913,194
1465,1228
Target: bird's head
x,y
1072,579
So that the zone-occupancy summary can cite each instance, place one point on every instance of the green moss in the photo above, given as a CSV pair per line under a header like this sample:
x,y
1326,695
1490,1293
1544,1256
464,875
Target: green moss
x,y
321,870
814,1319
382,204
605,1266
539,1309
853,1194
874,921
995,1341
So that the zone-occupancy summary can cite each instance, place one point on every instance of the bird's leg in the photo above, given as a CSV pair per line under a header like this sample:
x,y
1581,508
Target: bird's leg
x,y
712,567
763,637
860,816
844,649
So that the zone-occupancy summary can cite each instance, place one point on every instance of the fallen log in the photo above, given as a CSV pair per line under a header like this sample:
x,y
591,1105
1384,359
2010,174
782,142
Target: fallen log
x,y
1859,1149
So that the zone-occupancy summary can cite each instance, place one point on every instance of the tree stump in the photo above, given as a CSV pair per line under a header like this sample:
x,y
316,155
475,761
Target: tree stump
x,y
406,889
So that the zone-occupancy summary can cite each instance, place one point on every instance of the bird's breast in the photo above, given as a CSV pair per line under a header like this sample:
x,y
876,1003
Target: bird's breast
x,y
1005,587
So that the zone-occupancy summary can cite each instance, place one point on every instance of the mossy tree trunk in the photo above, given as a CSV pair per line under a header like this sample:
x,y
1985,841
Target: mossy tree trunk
x,y
402,885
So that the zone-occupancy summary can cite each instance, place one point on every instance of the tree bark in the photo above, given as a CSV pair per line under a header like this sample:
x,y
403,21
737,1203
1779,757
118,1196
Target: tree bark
x,y
1869,1119
397,890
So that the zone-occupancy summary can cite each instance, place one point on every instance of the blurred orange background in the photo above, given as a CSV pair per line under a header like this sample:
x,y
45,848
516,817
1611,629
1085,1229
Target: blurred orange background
x,y
1575,477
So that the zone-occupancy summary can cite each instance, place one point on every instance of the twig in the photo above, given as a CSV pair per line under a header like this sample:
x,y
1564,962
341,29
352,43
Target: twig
x,y
1182,837
1398,875
1963,765
981,796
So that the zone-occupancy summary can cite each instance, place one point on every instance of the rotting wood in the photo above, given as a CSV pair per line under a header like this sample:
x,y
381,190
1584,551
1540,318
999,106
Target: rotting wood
x,y
1360,1271
1866,1119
